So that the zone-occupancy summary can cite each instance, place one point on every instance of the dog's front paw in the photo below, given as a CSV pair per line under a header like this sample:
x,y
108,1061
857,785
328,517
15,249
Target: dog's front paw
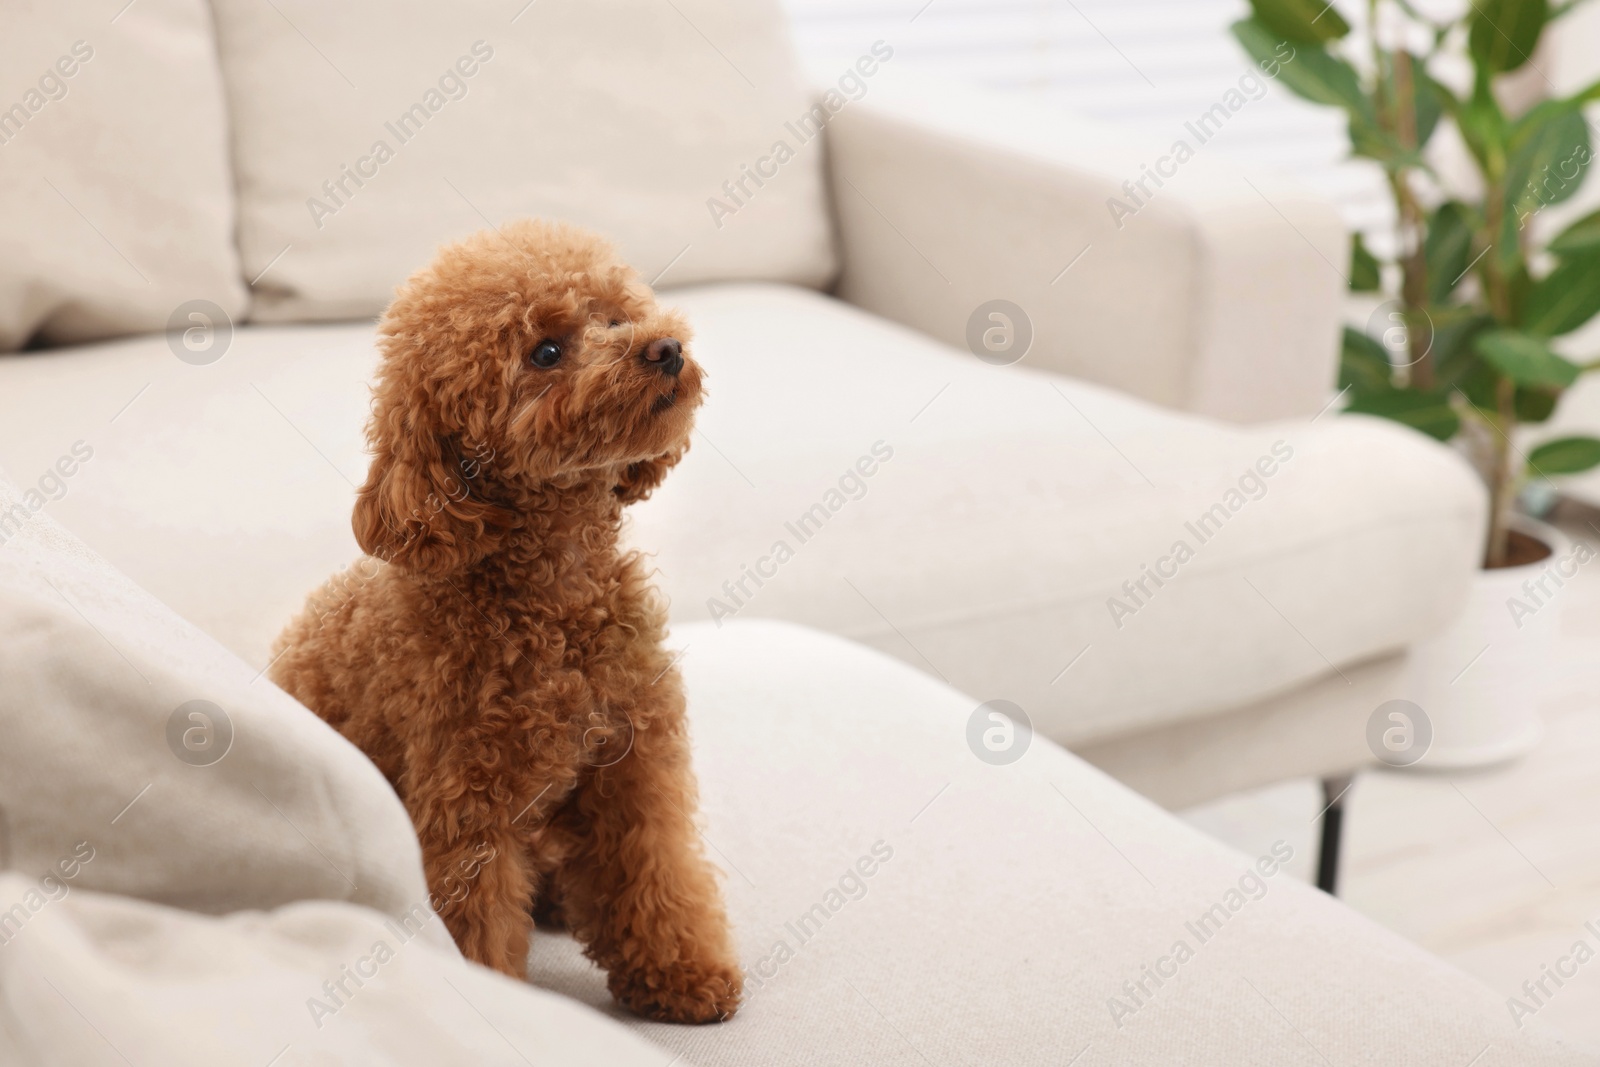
x,y
686,992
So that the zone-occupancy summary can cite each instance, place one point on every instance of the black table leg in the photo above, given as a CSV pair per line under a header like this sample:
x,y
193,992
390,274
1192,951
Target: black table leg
x,y
1333,794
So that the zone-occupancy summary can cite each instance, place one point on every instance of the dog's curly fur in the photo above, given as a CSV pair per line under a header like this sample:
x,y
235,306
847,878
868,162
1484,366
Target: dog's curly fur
x,y
495,654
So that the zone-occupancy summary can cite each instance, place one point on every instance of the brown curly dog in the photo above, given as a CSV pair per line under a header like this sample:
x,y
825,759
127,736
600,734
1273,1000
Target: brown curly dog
x,y
495,654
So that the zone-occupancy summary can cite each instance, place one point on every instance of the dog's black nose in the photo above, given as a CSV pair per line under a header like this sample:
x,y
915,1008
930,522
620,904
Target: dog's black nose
x,y
665,353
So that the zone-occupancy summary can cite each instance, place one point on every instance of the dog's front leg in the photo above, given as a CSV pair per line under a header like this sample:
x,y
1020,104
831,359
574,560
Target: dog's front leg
x,y
636,888
479,874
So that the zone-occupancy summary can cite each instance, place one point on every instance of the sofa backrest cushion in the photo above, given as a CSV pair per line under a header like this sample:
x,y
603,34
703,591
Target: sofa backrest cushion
x,y
367,134
116,204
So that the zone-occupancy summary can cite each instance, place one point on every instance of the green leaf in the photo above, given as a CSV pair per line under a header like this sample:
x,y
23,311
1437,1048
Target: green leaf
x,y
1453,332
1480,383
1311,73
1581,237
1428,411
1504,33
1535,405
1363,362
1547,158
1432,100
1525,359
1447,248
1564,455
1364,274
1587,95
1519,283
1483,126
1565,299
1368,141
1327,79
1303,21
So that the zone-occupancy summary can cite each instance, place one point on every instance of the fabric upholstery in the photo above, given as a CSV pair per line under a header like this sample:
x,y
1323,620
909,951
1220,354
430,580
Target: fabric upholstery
x,y
928,904
991,548
428,121
135,740
90,979
1217,294
1317,730
987,550
90,248
1014,903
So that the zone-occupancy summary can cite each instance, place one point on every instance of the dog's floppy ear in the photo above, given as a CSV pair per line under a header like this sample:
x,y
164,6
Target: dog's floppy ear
x,y
418,510
636,481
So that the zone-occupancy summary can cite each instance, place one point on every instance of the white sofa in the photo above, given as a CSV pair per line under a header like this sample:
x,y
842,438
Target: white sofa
x,y
895,900
1180,366
1170,351
983,552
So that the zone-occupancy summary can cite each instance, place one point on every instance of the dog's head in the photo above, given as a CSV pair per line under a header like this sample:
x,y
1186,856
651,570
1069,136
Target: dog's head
x,y
523,357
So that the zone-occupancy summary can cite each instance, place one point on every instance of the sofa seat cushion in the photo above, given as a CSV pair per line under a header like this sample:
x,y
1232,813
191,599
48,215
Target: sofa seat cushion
x,y
896,898
365,135
900,901
994,526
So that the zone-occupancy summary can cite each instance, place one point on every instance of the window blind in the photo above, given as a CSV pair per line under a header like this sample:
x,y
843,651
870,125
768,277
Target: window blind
x,y
1144,66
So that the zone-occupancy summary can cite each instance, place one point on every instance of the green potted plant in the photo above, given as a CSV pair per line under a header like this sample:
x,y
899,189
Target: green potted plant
x,y
1469,349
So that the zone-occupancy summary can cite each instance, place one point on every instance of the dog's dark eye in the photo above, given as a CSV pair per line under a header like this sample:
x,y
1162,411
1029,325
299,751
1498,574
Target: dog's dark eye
x,y
545,354
615,323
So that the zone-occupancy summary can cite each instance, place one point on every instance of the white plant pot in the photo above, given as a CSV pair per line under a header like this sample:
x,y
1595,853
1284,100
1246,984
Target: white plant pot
x,y
1480,682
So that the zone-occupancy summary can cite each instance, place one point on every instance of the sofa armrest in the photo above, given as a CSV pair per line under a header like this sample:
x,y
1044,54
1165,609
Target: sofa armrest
x,y
1219,293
